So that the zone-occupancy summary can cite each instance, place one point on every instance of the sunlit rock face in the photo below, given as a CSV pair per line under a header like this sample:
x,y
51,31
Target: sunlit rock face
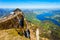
x,y
9,21
8,24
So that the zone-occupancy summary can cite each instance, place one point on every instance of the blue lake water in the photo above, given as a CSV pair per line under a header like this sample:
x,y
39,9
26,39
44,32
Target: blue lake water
x,y
44,16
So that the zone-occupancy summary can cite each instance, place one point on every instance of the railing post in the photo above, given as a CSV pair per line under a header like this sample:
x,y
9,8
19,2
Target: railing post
x,y
37,34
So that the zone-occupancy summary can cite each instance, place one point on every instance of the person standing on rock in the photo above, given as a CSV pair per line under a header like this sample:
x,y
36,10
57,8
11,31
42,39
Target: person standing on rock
x,y
27,31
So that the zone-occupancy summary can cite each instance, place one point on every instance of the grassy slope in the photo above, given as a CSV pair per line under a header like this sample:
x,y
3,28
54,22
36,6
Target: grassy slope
x,y
11,34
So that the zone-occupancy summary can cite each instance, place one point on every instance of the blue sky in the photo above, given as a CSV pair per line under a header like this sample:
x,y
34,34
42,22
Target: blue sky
x,y
30,4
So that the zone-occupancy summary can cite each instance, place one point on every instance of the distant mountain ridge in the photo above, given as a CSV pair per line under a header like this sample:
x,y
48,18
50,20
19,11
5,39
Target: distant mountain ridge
x,y
31,14
5,12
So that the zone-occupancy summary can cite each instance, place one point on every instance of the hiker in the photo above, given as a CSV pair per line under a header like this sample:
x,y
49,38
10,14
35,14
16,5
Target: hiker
x,y
27,33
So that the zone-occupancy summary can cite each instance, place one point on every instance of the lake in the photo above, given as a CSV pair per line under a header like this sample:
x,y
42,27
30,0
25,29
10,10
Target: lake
x,y
47,16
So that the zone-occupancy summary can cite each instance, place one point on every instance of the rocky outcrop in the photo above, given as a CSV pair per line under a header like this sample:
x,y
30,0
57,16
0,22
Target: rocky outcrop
x,y
9,21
